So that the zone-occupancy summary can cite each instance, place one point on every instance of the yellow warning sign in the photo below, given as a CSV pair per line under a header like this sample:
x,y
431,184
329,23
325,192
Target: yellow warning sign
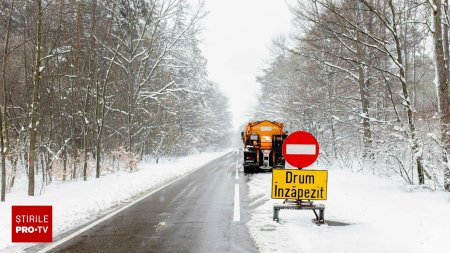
x,y
299,184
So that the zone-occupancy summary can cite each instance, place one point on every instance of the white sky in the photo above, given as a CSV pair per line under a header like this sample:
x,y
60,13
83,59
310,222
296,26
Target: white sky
x,y
236,42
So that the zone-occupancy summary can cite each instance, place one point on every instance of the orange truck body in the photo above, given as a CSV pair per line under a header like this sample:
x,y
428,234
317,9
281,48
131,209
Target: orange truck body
x,y
262,145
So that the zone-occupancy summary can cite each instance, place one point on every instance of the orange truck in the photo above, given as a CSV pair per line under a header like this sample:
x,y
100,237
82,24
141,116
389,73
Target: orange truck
x,y
263,142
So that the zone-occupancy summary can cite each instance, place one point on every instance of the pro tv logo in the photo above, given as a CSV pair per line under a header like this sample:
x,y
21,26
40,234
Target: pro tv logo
x,y
31,223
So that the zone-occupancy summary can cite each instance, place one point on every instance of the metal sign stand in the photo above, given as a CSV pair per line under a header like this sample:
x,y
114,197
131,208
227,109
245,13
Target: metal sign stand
x,y
300,205
301,149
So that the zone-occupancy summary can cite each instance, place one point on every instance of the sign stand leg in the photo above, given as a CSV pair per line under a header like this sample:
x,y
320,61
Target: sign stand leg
x,y
300,205
276,211
317,216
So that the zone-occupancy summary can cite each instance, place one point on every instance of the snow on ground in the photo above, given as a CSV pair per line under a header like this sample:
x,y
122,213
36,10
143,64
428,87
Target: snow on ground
x,y
79,202
383,216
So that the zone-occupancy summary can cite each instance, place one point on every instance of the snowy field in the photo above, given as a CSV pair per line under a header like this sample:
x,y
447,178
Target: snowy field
x,y
77,203
382,215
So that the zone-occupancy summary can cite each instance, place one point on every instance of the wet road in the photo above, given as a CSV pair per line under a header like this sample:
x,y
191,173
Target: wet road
x,y
197,213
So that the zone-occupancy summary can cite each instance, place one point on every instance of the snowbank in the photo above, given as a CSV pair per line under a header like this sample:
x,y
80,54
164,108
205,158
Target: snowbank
x,y
383,216
79,202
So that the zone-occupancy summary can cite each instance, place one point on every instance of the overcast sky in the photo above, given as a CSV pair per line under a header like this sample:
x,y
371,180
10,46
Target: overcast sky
x,y
236,42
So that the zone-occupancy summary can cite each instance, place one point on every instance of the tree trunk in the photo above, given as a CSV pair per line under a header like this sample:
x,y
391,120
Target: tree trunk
x,y
3,115
64,164
414,142
35,102
13,172
98,151
367,134
93,81
364,96
440,41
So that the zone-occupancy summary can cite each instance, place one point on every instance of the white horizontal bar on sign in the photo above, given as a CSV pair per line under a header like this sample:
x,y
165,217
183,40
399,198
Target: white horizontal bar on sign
x,y
300,149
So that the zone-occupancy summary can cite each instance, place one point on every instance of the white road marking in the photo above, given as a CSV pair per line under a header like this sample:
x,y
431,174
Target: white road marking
x,y
237,169
300,149
95,223
237,208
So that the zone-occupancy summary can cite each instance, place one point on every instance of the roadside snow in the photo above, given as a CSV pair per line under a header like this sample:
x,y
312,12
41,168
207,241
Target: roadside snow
x,y
383,216
77,203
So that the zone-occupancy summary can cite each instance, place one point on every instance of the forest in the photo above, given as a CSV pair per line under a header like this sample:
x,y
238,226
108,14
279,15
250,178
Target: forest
x,y
89,83
370,79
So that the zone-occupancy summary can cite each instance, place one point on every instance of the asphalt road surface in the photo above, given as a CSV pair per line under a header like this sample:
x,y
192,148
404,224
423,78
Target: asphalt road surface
x,y
197,213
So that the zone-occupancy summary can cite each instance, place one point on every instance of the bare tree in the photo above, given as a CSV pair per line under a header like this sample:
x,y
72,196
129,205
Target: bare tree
x,y
104,76
3,113
35,100
361,56
441,52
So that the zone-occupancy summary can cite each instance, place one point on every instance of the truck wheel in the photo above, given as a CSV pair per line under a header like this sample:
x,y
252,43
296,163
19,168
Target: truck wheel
x,y
248,169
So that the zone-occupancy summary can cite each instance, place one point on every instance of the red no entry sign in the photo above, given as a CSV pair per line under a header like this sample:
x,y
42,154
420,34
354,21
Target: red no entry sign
x,y
300,149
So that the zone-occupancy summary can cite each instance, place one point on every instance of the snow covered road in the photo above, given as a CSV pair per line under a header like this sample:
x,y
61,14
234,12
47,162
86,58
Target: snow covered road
x,y
382,216
365,213
77,203
192,214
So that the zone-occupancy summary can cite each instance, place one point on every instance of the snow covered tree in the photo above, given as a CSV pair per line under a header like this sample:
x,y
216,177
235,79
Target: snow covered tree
x,y
84,80
441,51
358,69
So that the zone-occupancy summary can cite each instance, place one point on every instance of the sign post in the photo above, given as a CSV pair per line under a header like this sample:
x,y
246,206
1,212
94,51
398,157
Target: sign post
x,y
297,186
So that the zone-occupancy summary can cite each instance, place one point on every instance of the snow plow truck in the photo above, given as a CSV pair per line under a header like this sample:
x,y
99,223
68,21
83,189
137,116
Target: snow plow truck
x,y
263,142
